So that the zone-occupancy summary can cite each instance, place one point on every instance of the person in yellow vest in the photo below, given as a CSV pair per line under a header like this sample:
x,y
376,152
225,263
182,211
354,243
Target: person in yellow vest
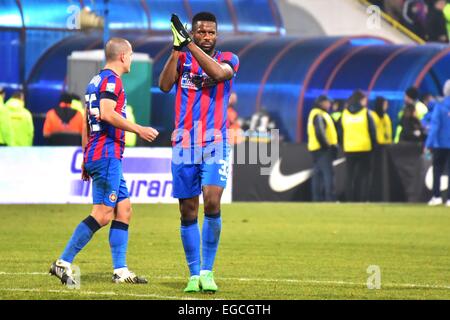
x,y
359,139
420,110
322,144
412,98
383,128
5,130
130,138
337,107
382,121
76,103
447,17
21,121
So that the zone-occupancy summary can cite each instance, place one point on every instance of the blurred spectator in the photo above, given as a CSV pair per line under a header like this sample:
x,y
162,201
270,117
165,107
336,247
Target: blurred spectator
x,y
415,16
410,127
359,139
336,111
5,130
234,129
130,137
438,142
447,17
323,144
382,121
77,104
63,125
21,121
379,173
436,25
336,114
429,100
394,8
412,98
429,19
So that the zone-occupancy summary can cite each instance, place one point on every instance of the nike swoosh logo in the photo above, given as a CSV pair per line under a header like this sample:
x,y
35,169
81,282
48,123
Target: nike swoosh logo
x,y
279,182
187,64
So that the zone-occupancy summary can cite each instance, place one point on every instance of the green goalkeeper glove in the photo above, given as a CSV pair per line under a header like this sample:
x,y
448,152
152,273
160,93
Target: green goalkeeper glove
x,y
181,37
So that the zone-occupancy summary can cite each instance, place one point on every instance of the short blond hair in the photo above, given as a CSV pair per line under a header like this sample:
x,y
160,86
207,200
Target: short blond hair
x,y
114,47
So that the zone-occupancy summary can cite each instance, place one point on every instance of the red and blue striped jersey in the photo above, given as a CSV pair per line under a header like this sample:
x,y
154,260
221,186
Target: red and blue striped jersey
x,y
105,140
201,102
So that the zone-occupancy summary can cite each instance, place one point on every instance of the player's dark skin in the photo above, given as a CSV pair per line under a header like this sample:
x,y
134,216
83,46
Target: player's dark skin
x,y
204,35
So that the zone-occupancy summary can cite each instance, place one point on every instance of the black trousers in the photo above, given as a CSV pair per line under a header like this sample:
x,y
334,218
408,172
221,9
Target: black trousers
x,y
358,176
441,162
323,176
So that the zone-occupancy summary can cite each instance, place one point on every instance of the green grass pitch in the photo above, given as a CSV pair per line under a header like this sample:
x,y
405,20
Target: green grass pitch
x,y
267,251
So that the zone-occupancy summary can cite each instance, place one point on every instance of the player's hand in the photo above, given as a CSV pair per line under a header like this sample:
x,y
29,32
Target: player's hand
x,y
148,133
84,174
181,37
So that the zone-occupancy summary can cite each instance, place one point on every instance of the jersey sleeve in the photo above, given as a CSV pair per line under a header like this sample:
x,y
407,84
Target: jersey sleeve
x,y
232,60
181,61
110,88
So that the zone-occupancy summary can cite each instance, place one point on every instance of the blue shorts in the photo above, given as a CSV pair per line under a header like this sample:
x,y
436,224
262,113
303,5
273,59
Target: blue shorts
x,y
193,168
108,185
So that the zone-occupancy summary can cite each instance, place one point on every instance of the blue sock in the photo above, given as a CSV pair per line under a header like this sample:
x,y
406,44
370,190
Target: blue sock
x,y
212,225
118,241
80,237
190,236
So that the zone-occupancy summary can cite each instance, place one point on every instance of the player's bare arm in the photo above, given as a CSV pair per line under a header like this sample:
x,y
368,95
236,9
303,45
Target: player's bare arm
x,y
169,75
108,114
218,71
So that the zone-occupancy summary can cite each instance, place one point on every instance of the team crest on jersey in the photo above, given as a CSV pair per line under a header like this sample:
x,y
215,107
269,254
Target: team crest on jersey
x,y
113,196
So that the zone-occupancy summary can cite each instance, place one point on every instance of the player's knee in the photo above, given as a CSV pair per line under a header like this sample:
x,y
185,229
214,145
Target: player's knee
x,y
125,214
103,215
188,206
212,205
188,212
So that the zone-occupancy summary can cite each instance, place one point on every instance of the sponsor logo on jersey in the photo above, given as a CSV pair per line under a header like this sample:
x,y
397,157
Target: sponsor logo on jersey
x,y
111,87
196,82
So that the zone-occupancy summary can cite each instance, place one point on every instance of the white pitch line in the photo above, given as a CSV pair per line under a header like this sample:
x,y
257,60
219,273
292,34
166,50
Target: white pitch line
x,y
100,293
306,281
23,273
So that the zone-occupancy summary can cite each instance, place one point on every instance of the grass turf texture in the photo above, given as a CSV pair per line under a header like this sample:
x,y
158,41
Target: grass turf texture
x,y
267,251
